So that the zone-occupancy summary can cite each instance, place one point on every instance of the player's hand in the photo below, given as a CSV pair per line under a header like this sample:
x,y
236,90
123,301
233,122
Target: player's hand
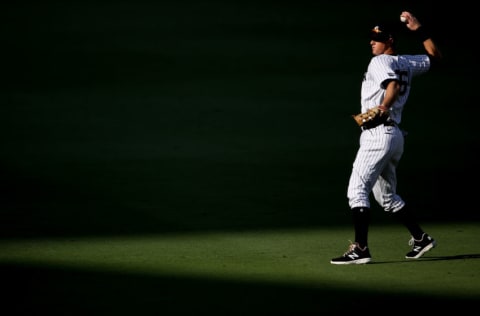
x,y
411,22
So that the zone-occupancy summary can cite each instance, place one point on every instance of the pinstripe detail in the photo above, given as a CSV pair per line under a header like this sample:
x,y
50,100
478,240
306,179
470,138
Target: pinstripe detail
x,y
381,148
384,67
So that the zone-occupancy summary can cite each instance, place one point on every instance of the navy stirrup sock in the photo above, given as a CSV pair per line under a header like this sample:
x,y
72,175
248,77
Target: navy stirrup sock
x,y
405,217
361,221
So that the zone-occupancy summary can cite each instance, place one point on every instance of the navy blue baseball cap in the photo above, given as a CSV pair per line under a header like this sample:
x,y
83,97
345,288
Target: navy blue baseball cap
x,y
381,33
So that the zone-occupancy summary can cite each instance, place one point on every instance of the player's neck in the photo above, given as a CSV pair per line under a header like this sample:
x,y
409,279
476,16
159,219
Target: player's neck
x,y
390,51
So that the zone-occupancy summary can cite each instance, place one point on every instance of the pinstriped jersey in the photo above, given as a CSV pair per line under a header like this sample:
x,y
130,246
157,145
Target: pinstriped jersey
x,y
387,67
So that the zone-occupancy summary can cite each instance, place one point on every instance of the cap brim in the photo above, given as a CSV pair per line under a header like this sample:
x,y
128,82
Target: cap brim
x,y
378,37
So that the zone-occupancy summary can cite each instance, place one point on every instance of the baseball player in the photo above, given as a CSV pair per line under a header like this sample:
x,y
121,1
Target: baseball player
x,y
385,89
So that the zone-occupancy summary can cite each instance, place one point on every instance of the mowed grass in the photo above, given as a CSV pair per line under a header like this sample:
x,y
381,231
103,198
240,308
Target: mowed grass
x,y
186,157
235,266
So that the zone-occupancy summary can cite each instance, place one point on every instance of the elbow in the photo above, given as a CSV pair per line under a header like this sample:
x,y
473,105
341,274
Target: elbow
x,y
435,59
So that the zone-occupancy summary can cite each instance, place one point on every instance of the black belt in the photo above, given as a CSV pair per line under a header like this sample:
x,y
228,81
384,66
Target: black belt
x,y
388,123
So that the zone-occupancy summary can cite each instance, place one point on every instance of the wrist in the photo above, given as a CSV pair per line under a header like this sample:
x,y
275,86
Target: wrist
x,y
383,108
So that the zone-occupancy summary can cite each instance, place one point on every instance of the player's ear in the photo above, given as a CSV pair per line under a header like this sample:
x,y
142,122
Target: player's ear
x,y
391,42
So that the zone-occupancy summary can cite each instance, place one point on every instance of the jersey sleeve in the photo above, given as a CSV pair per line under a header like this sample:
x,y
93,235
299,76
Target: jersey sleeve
x,y
418,64
382,68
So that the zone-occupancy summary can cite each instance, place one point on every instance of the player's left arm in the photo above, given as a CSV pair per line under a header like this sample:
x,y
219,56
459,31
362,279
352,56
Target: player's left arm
x,y
392,90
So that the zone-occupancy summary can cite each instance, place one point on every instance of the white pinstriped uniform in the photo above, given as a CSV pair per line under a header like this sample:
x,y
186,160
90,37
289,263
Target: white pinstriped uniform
x,y
374,167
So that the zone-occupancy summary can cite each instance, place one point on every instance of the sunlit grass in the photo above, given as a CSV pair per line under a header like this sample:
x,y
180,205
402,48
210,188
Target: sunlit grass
x,y
279,256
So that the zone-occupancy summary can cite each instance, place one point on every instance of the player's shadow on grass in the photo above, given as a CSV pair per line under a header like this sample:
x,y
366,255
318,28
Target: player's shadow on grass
x,y
424,259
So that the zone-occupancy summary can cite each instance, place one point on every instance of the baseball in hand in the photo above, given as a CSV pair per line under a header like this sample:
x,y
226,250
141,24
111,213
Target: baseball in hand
x,y
403,19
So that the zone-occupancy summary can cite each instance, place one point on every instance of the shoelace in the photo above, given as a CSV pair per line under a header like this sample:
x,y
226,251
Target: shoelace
x,y
351,248
411,242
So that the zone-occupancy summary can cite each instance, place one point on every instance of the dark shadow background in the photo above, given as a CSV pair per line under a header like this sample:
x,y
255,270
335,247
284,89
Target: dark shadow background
x,y
157,116
126,117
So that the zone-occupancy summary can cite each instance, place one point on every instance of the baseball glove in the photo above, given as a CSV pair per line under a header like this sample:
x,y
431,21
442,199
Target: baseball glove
x,y
372,118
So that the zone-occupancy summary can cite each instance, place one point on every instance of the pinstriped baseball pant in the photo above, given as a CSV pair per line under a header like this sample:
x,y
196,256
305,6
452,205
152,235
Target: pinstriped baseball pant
x,y
374,169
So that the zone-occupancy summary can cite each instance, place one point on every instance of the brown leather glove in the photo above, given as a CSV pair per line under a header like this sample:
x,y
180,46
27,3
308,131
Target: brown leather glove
x,y
372,118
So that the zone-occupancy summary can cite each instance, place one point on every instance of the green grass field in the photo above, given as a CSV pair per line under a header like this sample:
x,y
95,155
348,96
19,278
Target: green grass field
x,y
179,157
281,272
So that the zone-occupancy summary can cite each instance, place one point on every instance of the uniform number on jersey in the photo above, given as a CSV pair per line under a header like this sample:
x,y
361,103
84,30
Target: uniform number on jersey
x,y
403,80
